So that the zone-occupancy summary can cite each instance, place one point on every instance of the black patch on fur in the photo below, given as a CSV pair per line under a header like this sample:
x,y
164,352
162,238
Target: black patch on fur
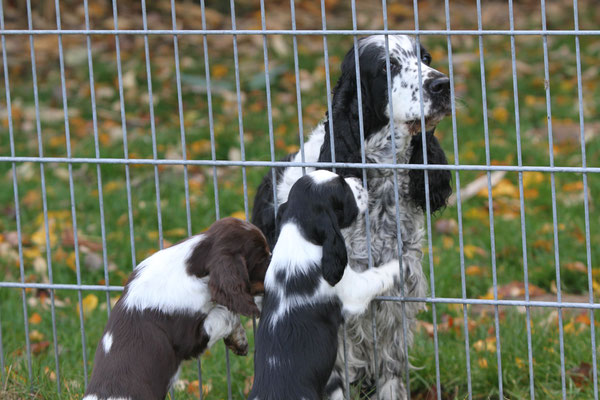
x,y
263,215
301,284
439,179
344,108
294,359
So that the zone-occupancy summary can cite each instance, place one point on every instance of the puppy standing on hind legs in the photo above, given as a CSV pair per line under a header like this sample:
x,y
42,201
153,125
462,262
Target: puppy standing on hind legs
x,y
177,303
309,289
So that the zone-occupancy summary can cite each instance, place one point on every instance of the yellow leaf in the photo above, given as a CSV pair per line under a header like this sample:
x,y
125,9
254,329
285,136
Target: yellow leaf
x,y
35,319
520,363
31,253
503,188
488,344
239,215
531,178
570,327
112,186
447,242
89,302
471,250
200,146
500,114
482,362
219,71
478,213
36,336
573,186
474,270
176,232
71,261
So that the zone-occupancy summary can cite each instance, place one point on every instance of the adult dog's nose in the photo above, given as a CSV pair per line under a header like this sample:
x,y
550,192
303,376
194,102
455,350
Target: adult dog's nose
x,y
439,85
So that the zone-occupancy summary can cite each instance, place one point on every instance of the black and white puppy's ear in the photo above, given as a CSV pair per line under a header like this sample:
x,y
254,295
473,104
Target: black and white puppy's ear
x,y
439,179
335,258
229,284
352,201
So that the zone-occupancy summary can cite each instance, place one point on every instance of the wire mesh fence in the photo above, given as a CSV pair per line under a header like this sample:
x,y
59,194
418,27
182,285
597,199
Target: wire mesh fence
x,y
115,126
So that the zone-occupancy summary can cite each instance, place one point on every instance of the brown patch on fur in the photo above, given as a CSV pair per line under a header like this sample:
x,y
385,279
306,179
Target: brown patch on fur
x,y
235,256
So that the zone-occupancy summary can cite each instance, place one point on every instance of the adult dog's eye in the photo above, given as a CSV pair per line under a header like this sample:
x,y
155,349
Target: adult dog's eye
x,y
426,58
394,66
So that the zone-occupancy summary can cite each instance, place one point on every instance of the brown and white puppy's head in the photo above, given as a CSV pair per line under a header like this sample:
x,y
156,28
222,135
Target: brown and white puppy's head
x,y
235,256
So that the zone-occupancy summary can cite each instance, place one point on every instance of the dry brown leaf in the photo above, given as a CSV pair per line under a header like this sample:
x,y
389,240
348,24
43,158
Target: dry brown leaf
x,y
35,319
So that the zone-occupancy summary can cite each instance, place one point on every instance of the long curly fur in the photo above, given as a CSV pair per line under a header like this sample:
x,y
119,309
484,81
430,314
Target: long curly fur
x,y
385,222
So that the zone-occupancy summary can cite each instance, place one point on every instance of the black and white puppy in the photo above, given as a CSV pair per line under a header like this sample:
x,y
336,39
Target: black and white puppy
x,y
309,289
177,303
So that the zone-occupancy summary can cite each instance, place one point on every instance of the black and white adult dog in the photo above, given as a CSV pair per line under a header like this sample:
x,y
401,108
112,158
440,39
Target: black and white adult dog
x,y
309,290
177,303
378,123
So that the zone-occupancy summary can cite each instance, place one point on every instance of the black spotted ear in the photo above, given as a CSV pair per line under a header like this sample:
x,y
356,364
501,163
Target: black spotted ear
x,y
229,284
335,258
439,180
344,118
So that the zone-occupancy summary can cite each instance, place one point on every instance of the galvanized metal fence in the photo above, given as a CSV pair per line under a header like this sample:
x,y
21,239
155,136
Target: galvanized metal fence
x,y
244,164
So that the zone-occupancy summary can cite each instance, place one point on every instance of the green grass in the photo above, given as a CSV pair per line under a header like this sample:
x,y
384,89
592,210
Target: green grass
x,y
508,246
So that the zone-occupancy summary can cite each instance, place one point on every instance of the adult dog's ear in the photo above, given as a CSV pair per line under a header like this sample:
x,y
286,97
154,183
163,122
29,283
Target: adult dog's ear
x,y
439,180
335,258
229,285
344,115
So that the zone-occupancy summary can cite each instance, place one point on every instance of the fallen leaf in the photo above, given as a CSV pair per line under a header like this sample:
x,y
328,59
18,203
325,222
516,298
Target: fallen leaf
x,y
532,178
239,215
573,186
446,226
51,374
38,347
35,319
576,266
482,362
504,188
474,270
581,374
471,250
89,302
36,336
489,344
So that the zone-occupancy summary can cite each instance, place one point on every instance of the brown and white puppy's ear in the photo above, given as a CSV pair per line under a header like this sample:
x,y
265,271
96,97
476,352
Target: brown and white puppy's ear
x,y
229,284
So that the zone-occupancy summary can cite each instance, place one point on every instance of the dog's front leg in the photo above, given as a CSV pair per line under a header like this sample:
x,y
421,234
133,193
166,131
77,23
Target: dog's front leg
x,y
357,289
220,323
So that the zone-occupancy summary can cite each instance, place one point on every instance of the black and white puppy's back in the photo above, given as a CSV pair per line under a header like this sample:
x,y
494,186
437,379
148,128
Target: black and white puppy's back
x,y
177,303
309,289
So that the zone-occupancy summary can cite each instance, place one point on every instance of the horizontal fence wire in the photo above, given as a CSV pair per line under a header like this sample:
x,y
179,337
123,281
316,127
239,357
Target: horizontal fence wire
x,y
444,300
526,303
323,164
301,32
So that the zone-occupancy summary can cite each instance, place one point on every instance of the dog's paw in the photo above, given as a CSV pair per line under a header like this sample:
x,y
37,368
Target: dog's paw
x,y
237,341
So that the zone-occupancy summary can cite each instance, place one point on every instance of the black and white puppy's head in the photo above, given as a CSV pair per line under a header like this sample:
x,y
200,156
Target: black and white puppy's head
x,y
406,115
322,203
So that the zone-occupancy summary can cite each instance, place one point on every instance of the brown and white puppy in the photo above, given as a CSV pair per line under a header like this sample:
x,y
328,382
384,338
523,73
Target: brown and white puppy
x,y
177,303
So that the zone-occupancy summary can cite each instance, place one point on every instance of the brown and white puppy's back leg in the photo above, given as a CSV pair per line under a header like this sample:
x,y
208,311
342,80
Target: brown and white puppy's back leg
x,y
220,323
357,289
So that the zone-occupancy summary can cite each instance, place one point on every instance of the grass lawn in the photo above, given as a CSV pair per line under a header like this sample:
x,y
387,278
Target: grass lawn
x,y
480,257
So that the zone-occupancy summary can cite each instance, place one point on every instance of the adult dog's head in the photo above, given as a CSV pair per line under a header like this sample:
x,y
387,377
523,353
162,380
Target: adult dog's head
x,y
405,110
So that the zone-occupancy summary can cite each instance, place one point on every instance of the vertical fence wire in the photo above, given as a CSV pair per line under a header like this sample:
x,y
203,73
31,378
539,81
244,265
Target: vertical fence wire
x,y
44,198
97,154
427,205
365,184
490,200
513,57
63,85
399,243
297,76
586,206
554,208
152,125
461,245
124,129
17,211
